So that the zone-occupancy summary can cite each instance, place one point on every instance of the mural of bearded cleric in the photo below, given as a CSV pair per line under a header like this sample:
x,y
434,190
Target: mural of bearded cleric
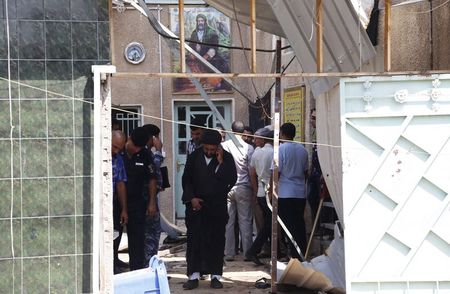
x,y
205,33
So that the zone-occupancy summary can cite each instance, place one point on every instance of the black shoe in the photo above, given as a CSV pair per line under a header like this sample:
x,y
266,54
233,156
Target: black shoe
x,y
190,284
216,284
254,258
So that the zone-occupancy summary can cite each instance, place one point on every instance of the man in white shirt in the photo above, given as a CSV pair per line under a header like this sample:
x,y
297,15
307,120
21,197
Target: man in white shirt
x,y
260,175
240,196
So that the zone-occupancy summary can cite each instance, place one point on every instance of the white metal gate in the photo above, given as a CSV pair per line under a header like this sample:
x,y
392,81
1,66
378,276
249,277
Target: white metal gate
x,y
396,183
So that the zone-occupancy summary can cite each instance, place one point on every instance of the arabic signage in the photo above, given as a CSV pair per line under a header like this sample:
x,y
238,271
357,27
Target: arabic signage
x,y
294,110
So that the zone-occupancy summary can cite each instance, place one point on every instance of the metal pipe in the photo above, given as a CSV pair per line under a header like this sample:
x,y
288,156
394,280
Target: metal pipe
x,y
319,40
313,230
278,75
161,100
182,38
431,36
274,237
387,35
276,144
253,33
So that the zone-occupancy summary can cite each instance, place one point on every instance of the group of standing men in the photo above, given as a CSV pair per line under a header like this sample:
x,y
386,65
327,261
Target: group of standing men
x,y
225,179
137,180
222,181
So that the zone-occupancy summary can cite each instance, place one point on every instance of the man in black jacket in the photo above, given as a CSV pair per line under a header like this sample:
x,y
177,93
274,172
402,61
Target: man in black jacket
x,y
141,191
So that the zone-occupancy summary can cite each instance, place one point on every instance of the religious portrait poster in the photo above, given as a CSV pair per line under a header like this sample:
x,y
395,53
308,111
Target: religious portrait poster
x,y
294,110
208,26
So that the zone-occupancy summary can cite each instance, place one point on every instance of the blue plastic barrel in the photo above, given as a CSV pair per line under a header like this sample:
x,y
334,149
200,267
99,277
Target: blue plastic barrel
x,y
151,280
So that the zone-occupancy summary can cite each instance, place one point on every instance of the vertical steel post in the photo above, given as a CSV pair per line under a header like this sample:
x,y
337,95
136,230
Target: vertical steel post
x,y
319,40
181,26
387,35
274,238
253,33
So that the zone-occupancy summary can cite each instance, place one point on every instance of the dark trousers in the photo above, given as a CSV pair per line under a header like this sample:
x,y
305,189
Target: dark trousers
x,y
291,211
151,235
118,227
135,230
266,230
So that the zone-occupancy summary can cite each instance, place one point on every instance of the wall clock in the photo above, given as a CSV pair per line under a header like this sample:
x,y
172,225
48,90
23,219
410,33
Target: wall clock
x,y
134,53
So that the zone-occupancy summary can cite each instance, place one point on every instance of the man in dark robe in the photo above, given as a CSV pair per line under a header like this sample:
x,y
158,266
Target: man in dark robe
x,y
208,176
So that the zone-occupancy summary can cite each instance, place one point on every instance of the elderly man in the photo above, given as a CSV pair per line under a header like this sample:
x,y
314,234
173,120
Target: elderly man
x,y
120,211
208,176
260,175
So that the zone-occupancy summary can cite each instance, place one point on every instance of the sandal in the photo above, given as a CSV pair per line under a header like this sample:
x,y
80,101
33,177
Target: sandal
x,y
262,283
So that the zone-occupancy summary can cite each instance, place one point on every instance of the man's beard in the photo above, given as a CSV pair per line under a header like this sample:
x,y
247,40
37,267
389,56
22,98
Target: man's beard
x,y
201,27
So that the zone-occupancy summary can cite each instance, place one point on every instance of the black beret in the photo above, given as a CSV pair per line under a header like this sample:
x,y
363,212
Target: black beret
x,y
152,130
197,122
140,137
211,137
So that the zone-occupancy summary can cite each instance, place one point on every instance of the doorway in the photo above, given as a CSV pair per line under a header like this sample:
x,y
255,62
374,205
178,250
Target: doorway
x,y
184,112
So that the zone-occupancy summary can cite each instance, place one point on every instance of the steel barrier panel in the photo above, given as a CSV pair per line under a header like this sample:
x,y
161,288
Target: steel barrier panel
x,y
396,181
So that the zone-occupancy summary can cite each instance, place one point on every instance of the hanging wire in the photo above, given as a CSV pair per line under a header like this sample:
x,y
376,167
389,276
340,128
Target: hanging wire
x,y
359,37
11,150
11,123
429,10
242,44
83,100
163,34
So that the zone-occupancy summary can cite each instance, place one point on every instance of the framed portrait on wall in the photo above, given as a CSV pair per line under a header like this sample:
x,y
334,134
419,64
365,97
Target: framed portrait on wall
x,y
206,25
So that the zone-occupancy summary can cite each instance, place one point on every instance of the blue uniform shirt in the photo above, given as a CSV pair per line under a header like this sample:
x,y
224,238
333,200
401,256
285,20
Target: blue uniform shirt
x,y
118,170
293,163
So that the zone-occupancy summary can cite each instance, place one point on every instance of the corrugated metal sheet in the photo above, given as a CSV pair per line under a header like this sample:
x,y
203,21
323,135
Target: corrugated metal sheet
x,y
240,10
346,44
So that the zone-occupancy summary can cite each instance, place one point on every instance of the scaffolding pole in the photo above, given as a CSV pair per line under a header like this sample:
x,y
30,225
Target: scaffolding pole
x,y
253,33
387,35
229,76
319,41
182,38
274,237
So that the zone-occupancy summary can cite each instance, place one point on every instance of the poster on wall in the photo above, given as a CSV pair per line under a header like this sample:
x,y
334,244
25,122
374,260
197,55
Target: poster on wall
x,y
206,25
294,110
